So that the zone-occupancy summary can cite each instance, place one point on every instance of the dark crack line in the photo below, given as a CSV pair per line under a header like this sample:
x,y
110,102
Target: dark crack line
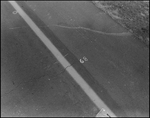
x,y
17,87
35,78
56,62
31,78
63,70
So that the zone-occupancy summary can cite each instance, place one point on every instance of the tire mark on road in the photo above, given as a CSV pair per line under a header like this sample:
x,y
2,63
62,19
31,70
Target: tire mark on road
x,y
88,29
82,28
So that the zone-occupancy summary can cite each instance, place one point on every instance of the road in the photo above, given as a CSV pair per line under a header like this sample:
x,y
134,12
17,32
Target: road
x,y
33,82
117,67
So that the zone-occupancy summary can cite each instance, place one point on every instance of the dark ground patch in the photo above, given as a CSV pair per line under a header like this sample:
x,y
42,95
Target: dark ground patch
x,y
133,15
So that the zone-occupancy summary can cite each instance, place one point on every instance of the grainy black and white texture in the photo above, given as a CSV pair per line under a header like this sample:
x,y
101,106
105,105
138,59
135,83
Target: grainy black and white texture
x,y
33,82
133,15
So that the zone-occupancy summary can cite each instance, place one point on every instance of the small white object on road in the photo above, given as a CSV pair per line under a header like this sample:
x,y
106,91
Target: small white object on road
x,y
81,61
85,59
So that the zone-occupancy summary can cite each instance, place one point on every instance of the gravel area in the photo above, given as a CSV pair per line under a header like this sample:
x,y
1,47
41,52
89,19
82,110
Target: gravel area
x,y
133,15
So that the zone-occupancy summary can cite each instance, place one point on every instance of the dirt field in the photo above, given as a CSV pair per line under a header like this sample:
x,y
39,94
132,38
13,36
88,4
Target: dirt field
x,y
133,15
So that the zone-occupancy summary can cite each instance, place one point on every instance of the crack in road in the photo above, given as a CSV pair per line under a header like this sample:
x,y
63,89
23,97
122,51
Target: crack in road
x,y
35,78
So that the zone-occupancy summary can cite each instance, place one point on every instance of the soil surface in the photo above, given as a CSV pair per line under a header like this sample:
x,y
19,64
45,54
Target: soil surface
x,y
133,15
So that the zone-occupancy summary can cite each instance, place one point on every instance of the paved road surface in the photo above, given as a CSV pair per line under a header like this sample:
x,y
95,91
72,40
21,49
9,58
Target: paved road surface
x,y
33,82
117,66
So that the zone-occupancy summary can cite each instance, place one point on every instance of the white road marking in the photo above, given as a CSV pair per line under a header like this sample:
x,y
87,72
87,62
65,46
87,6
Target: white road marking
x,y
80,81
85,59
81,61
